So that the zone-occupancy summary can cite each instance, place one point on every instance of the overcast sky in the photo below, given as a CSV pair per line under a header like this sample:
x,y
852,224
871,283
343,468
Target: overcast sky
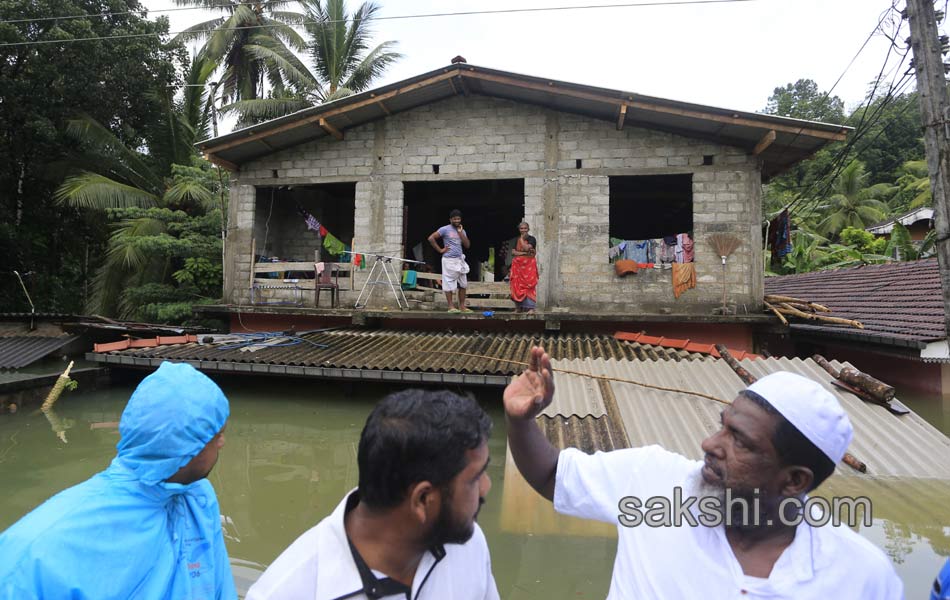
x,y
730,55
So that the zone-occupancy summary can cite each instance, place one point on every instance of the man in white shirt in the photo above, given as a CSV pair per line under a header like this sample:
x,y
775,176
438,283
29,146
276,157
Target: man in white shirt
x,y
408,531
779,440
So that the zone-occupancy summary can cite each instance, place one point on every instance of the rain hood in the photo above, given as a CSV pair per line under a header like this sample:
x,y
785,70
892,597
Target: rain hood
x,y
125,532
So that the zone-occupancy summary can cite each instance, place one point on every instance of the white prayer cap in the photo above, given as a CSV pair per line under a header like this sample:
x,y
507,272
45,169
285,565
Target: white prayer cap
x,y
812,409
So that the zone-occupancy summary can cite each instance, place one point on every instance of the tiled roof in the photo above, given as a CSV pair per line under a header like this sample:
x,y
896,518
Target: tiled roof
x,y
896,302
681,344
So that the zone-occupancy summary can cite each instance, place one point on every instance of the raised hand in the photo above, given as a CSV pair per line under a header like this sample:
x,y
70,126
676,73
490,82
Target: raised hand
x,y
533,390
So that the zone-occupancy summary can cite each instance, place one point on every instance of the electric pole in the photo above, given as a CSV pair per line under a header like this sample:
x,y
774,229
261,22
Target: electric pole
x,y
935,116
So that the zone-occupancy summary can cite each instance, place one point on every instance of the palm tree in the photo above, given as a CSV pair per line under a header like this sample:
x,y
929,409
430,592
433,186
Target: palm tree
x,y
146,192
853,204
253,44
914,185
342,60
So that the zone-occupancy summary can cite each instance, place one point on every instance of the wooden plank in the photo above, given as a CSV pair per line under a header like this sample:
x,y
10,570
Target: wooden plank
x,y
304,284
764,143
621,116
215,160
447,74
652,107
385,108
326,126
479,302
273,267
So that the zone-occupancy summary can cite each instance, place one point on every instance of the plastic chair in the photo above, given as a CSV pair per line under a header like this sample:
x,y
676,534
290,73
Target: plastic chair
x,y
329,279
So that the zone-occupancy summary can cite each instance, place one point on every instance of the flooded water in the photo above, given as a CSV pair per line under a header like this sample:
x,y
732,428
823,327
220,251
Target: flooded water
x,y
291,456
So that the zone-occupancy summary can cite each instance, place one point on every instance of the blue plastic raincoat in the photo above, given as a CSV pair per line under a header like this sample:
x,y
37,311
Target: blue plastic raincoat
x,y
125,533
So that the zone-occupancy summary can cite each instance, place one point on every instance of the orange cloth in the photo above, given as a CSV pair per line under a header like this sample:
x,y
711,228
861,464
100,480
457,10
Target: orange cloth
x,y
524,275
684,277
625,267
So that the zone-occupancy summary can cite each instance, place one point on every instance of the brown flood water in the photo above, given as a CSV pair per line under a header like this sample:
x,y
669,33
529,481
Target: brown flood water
x,y
291,455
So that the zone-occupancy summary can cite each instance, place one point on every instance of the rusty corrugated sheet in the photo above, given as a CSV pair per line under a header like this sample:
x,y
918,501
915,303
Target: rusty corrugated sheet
x,y
489,354
905,446
20,351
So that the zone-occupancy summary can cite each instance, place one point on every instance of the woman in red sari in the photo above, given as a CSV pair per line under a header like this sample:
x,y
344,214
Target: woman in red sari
x,y
524,271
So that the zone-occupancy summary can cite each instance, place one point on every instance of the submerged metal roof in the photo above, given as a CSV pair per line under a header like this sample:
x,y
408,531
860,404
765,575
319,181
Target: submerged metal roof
x,y
785,140
355,353
905,446
20,351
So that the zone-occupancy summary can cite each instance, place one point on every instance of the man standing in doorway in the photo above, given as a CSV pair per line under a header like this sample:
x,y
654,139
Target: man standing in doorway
x,y
454,267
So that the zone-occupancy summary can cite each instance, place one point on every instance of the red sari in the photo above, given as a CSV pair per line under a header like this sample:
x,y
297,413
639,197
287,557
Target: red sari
x,y
524,277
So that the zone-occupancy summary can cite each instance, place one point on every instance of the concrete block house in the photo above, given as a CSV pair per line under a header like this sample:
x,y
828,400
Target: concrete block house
x,y
582,165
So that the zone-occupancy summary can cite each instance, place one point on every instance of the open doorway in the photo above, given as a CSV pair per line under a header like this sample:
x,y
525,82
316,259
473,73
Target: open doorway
x,y
491,212
280,229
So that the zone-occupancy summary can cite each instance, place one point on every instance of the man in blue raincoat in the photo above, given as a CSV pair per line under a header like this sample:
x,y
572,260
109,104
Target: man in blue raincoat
x,y
149,525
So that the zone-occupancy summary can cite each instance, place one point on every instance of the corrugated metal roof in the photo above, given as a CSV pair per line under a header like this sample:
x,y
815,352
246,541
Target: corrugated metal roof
x,y
905,446
795,139
393,350
20,351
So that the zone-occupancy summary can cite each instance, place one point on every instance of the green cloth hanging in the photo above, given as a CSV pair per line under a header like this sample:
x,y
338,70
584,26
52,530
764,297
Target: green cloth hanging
x,y
333,245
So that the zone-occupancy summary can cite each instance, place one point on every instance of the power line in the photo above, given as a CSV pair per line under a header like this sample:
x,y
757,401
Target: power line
x,y
827,94
838,160
138,12
503,11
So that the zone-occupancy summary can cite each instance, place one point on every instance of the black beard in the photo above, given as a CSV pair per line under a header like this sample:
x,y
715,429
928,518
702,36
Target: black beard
x,y
447,530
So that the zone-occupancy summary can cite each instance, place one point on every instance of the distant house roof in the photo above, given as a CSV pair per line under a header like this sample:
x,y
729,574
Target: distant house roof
x,y
898,303
907,219
780,141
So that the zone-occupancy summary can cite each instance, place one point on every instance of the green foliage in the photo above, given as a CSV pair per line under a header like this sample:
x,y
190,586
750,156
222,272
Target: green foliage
x,y
343,60
864,241
802,100
42,87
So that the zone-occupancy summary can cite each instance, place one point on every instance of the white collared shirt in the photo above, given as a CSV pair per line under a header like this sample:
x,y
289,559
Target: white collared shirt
x,y
320,566
698,562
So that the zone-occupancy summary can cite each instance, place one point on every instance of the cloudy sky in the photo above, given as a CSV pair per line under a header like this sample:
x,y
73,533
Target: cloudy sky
x,y
728,54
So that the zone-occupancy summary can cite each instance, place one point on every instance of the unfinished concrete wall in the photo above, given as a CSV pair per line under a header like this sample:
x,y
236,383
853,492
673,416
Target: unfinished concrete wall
x,y
567,206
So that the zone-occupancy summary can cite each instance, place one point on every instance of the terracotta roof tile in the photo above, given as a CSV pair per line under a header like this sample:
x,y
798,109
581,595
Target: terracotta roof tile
x,y
895,300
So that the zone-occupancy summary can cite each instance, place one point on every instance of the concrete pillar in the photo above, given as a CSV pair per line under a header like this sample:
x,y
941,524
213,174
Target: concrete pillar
x,y
237,265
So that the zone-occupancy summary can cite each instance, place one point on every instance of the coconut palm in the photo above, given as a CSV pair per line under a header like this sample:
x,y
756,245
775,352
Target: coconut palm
x,y
914,185
343,61
253,44
853,203
145,192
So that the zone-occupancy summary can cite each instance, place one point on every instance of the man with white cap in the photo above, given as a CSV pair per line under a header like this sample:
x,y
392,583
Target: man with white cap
x,y
780,438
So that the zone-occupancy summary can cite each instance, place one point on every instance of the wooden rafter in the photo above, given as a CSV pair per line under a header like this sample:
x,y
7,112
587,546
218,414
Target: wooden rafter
x,y
326,126
621,116
385,108
230,166
447,74
463,87
764,143
551,87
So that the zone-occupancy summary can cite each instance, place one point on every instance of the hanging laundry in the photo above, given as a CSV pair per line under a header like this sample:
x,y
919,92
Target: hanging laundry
x,y
312,223
684,277
333,245
686,242
323,231
640,251
665,251
358,260
409,279
780,235
345,256
320,267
